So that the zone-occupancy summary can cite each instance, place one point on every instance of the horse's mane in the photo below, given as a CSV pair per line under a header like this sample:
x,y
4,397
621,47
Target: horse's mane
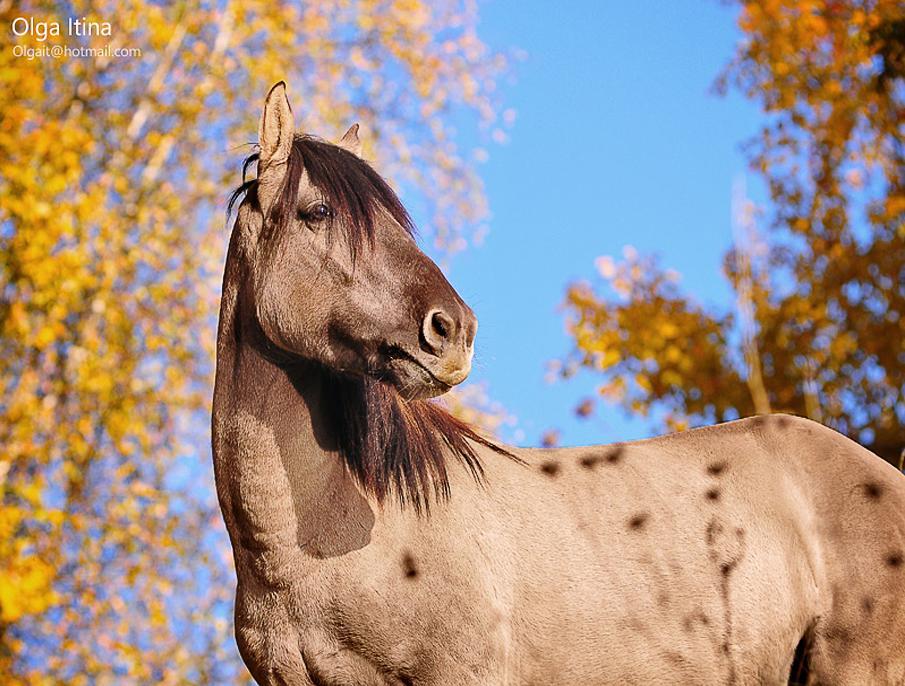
x,y
397,446
391,445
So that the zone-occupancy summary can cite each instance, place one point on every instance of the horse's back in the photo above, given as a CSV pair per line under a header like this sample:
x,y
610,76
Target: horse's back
x,y
714,552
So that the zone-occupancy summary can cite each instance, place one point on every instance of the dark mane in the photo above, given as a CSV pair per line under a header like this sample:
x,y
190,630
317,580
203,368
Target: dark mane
x,y
399,447
391,446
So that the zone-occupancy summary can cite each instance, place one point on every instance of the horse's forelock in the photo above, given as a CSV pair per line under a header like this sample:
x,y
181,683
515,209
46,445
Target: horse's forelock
x,y
353,189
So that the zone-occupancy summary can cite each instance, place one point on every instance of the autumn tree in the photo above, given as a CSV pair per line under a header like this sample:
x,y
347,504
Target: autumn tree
x,y
114,168
819,326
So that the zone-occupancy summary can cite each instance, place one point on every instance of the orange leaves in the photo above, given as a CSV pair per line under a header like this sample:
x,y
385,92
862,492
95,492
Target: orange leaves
x,y
820,320
112,180
832,158
652,345
25,584
26,578
826,70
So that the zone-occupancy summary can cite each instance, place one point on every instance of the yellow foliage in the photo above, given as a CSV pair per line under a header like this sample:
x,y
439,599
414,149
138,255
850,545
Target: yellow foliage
x,y
26,587
826,298
113,174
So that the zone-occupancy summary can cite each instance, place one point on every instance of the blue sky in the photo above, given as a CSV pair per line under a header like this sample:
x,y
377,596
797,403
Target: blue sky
x,y
618,140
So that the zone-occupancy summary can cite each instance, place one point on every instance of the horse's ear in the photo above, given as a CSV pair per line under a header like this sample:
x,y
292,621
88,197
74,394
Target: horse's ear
x,y
277,129
350,140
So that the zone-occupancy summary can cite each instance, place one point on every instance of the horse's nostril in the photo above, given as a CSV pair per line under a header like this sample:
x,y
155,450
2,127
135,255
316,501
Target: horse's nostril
x,y
437,331
441,324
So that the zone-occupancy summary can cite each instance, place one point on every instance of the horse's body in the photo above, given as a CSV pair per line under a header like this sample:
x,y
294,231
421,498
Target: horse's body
x,y
702,557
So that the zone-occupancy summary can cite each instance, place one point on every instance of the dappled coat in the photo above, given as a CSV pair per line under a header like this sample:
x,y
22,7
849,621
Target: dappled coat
x,y
378,540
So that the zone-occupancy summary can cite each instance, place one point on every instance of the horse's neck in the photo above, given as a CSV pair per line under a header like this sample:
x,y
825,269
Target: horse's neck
x,y
282,485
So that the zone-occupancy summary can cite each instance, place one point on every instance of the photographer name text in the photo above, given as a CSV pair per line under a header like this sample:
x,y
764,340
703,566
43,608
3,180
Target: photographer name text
x,y
42,30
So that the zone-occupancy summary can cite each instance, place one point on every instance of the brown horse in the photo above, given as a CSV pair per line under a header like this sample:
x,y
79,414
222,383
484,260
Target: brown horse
x,y
377,540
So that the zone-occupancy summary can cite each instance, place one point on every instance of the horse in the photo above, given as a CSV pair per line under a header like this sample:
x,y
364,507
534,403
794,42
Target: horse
x,y
379,540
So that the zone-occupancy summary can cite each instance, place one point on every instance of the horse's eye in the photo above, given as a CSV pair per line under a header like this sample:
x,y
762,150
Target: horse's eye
x,y
320,212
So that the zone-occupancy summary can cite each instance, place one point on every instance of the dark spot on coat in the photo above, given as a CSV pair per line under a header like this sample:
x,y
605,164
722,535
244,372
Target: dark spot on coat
x,y
867,604
894,560
550,468
590,460
782,422
695,617
714,529
409,568
615,455
716,468
638,522
873,490
713,494
674,657
838,633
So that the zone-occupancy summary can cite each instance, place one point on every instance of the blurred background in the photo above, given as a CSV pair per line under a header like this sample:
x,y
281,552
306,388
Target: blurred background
x,y
664,215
